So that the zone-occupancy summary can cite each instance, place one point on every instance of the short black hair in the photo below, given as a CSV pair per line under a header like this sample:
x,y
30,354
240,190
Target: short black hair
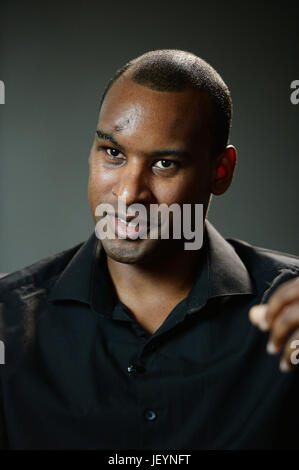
x,y
176,70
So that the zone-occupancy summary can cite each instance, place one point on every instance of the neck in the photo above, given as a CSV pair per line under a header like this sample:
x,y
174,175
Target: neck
x,y
172,276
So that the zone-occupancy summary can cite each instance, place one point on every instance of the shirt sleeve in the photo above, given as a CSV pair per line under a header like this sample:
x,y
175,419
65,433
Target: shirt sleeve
x,y
3,437
3,432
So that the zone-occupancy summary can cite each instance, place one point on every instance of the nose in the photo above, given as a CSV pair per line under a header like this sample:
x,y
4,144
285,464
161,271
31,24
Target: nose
x,y
132,185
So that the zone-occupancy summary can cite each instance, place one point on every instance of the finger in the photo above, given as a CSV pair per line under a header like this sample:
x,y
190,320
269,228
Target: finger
x,y
257,315
282,327
290,356
285,294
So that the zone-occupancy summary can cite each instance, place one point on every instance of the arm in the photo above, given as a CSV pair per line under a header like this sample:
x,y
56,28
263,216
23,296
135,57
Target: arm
x,y
3,437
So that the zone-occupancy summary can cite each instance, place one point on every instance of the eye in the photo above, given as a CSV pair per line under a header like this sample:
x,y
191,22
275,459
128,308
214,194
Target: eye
x,y
111,155
165,164
112,152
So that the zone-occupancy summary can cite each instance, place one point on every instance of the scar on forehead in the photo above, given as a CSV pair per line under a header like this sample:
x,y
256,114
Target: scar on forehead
x,y
123,124
129,118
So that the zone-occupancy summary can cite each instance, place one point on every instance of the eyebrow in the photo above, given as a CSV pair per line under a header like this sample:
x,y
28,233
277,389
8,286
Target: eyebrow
x,y
110,137
156,153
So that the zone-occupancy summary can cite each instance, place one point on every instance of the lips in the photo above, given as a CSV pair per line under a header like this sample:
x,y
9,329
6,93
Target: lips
x,y
127,219
126,228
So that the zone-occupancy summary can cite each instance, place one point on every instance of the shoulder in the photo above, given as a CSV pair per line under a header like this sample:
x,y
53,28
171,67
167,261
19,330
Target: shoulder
x,y
33,281
38,275
267,268
23,295
257,256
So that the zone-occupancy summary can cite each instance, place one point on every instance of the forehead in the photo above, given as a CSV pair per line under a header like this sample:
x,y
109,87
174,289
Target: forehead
x,y
133,109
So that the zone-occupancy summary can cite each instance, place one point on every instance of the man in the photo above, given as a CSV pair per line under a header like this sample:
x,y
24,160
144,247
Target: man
x,y
139,343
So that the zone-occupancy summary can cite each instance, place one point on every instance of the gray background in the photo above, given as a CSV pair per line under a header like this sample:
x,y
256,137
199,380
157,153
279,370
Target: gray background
x,y
55,59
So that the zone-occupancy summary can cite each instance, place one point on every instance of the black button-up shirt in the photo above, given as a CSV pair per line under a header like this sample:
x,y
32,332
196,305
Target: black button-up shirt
x,y
81,373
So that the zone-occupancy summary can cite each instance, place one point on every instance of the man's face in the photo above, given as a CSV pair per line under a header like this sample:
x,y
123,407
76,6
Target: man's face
x,y
150,147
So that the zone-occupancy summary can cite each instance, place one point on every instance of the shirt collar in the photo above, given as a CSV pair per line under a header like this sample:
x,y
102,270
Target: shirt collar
x,y
228,273
75,281
86,278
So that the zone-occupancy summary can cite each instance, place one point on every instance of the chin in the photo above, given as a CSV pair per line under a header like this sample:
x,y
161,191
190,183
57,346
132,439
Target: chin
x,y
131,251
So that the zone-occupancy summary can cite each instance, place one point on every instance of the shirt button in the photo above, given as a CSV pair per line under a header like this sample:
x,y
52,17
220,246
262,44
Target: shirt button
x,y
150,415
134,369
131,369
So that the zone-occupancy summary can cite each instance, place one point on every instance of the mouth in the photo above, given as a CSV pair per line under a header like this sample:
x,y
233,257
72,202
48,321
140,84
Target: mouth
x,y
129,227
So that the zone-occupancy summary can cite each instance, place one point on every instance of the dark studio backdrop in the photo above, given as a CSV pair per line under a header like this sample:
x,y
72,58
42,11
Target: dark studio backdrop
x,y
55,60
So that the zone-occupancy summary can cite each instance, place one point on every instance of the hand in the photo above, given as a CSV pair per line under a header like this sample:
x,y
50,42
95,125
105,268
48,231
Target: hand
x,y
281,317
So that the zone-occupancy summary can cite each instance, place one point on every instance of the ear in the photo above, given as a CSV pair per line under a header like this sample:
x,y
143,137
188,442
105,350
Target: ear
x,y
223,170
